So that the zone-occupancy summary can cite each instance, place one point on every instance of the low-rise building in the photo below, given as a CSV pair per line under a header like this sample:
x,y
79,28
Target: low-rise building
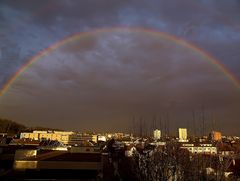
x,y
182,134
157,134
62,136
96,138
216,136
78,138
206,148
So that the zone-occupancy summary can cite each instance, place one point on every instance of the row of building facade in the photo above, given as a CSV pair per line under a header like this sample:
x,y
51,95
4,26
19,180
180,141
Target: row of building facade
x,y
66,137
183,136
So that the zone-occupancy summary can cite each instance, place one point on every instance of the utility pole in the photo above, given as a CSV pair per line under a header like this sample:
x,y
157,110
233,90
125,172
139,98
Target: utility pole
x,y
160,122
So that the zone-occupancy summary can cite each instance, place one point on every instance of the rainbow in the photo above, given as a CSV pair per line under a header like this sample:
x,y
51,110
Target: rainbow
x,y
151,32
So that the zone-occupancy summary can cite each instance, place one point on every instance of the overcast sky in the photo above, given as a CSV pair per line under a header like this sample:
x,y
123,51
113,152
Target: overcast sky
x,y
100,82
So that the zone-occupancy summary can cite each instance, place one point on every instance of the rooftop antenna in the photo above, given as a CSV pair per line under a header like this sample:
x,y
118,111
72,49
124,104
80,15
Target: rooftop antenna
x,y
160,122
153,126
155,122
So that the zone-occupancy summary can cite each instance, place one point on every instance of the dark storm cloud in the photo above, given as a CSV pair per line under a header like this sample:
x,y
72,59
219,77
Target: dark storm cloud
x,y
119,74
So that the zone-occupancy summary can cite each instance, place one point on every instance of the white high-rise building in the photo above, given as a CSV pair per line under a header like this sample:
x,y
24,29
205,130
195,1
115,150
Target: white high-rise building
x,y
157,134
182,132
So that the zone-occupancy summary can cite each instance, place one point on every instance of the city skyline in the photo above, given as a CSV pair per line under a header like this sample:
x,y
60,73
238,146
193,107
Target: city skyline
x,y
126,59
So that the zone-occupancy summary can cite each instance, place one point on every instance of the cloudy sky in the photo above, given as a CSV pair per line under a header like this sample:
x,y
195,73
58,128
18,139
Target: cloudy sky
x,y
102,81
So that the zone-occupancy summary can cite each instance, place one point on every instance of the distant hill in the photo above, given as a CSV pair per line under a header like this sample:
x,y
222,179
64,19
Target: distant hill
x,y
12,127
41,129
